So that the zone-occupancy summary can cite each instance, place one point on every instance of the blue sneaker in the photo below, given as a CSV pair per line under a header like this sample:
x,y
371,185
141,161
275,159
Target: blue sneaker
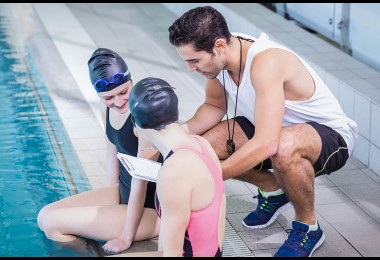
x,y
268,208
301,242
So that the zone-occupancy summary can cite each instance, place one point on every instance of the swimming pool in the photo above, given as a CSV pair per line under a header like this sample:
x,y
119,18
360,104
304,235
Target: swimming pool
x,y
37,162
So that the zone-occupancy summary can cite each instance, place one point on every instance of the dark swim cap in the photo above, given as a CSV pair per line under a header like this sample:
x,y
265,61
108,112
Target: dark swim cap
x,y
108,68
153,103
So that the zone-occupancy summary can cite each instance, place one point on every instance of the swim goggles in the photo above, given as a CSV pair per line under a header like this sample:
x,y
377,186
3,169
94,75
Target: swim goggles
x,y
117,78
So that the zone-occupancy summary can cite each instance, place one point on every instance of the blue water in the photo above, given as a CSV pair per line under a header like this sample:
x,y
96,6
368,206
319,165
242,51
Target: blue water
x,y
37,161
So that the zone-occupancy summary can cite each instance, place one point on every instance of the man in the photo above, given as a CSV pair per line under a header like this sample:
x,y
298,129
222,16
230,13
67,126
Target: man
x,y
285,118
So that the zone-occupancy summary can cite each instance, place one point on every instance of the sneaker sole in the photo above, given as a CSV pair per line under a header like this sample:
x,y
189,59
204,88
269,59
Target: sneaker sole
x,y
273,218
321,240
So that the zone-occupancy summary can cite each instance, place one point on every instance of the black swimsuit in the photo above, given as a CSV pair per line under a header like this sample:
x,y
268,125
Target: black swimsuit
x,y
126,142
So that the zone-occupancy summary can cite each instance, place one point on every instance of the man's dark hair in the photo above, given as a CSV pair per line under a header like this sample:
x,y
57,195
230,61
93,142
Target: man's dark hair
x,y
200,26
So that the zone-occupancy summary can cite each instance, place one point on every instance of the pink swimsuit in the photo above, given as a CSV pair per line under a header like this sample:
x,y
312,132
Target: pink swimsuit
x,y
201,238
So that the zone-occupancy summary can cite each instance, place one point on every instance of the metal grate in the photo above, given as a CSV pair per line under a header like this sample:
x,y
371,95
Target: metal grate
x,y
233,245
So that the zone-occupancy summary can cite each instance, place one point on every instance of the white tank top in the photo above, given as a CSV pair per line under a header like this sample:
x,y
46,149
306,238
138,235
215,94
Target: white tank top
x,y
321,108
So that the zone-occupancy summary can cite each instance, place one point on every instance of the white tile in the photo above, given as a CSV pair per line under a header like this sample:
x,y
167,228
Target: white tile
x,y
375,82
337,216
323,182
86,132
89,143
362,192
347,99
361,149
367,72
349,177
334,87
344,74
374,94
97,182
235,187
329,195
91,156
367,246
371,207
331,66
374,158
363,114
241,203
333,84
375,125
373,175
360,85
265,238
336,249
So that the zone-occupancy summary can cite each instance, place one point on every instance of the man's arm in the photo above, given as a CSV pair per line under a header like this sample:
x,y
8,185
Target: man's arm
x,y
267,76
211,112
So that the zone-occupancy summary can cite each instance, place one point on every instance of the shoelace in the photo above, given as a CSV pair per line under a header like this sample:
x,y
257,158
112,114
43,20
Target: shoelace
x,y
264,205
297,237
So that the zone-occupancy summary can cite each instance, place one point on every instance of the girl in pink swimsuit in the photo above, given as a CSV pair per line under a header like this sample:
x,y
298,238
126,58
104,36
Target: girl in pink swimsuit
x,y
190,197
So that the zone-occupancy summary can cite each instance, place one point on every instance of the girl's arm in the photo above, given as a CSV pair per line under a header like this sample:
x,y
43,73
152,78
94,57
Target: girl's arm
x,y
174,192
135,207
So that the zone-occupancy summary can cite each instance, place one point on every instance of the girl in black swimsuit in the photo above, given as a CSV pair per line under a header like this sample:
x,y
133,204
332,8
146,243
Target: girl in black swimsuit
x,y
123,211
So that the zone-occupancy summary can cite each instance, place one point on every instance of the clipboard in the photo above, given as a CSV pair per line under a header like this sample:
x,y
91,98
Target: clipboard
x,y
140,168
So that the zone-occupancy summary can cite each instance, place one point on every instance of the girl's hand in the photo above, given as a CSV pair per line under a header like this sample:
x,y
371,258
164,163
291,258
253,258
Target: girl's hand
x,y
116,245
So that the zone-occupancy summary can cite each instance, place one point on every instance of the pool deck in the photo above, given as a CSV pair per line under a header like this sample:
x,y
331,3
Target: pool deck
x,y
63,36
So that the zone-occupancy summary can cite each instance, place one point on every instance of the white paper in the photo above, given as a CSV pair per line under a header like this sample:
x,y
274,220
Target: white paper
x,y
139,167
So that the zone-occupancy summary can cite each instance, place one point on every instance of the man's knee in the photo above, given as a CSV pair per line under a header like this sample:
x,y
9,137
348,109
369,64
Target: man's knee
x,y
298,144
286,151
217,137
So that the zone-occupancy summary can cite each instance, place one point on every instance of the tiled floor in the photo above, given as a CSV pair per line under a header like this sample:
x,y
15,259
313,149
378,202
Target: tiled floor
x,y
63,37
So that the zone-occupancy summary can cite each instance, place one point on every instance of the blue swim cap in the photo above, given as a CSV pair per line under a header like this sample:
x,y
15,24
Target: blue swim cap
x,y
107,70
153,103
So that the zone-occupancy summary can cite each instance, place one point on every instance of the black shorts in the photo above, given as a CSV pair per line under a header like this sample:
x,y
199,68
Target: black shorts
x,y
334,152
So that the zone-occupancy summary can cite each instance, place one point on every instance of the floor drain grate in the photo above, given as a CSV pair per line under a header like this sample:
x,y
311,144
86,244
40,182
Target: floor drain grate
x,y
233,244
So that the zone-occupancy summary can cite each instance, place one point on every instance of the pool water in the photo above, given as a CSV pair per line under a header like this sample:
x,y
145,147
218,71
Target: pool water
x,y
37,161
